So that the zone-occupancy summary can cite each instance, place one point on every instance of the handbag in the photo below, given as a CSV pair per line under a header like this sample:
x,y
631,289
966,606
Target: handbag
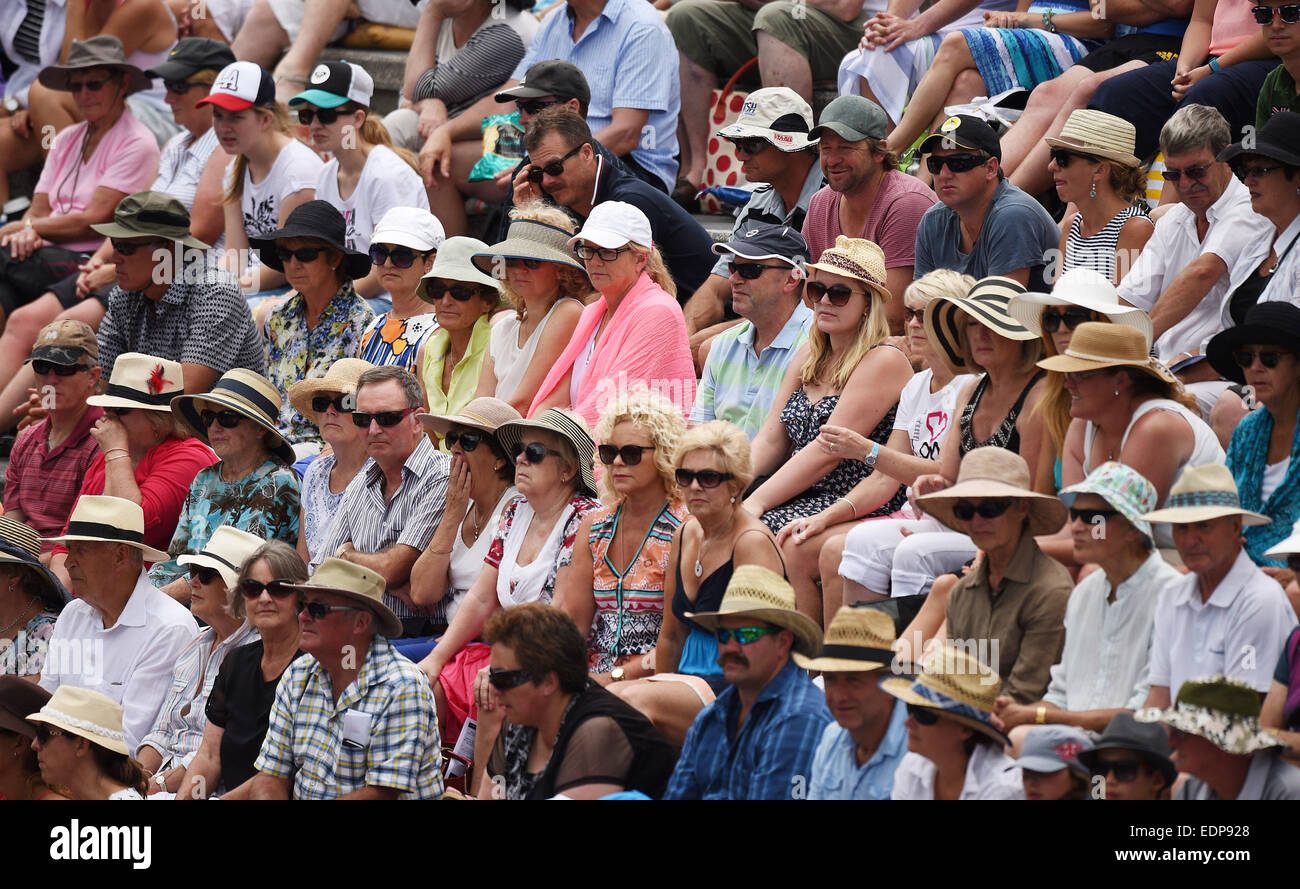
x,y
722,167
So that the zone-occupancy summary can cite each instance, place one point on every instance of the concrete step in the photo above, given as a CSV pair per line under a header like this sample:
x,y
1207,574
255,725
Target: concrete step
x,y
386,66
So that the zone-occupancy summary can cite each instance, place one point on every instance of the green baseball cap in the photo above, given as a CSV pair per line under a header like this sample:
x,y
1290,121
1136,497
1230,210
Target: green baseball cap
x,y
852,118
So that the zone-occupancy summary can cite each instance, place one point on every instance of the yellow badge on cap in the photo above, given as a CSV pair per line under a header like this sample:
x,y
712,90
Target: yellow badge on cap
x,y
950,124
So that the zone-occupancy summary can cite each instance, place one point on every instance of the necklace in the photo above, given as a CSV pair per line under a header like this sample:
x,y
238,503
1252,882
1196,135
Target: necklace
x,y
699,557
21,615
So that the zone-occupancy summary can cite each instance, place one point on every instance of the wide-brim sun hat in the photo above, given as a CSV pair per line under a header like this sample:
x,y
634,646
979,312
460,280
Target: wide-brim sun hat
x,y
1278,139
1123,487
361,585
946,318
100,51
993,473
1100,135
319,221
485,414
225,552
248,394
1097,345
856,258
141,381
150,214
341,377
857,640
1288,547
956,685
1272,323
762,594
1204,493
1078,287
566,425
455,262
99,518
528,239
18,697
20,545
1221,710
86,714
1150,742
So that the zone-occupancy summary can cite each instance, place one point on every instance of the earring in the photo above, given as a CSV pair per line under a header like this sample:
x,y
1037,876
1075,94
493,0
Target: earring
x,y
733,500
1093,193
1117,391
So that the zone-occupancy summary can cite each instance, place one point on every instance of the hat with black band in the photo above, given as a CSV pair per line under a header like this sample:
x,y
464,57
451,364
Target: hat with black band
x,y
150,214
226,550
248,394
857,640
191,55
141,381
104,519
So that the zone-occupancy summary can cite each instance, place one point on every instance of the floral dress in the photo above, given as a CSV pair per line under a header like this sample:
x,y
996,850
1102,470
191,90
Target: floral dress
x,y
25,655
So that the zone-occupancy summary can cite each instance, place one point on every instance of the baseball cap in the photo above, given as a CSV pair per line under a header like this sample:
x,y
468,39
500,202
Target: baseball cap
x,y
615,224
409,227
852,118
332,84
241,85
550,78
1050,748
764,240
191,55
964,131
777,114
64,342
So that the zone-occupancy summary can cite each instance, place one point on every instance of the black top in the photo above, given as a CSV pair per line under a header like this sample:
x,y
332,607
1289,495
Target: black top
x,y
1006,435
708,598
240,704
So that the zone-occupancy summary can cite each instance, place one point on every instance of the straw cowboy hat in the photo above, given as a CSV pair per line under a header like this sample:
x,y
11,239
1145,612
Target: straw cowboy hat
x,y
1223,711
528,239
858,640
361,585
1083,288
1269,323
104,519
571,427
1100,135
484,414
761,593
856,258
1097,345
946,318
341,377
225,552
995,473
454,262
20,545
100,51
956,685
1203,493
248,394
18,697
142,381
86,714
1122,487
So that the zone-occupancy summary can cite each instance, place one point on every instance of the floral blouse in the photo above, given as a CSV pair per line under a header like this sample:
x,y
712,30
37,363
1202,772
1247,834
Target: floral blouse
x,y
519,580
25,654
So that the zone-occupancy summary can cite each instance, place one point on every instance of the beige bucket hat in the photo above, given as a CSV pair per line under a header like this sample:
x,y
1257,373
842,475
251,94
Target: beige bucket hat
x,y
995,473
86,714
361,585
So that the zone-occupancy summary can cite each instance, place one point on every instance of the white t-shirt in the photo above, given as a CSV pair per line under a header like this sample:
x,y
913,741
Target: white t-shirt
x,y
1274,474
924,415
296,167
386,181
987,776
466,562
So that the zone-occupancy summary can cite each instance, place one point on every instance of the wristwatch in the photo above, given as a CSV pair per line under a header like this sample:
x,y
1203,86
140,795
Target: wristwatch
x,y
12,105
617,674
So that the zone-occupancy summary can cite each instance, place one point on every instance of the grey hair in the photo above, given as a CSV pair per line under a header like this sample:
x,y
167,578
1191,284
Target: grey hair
x,y
281,559
410,385
1192,127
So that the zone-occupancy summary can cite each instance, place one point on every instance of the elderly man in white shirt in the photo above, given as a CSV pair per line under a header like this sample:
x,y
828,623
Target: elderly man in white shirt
x,y
121,635
1226,616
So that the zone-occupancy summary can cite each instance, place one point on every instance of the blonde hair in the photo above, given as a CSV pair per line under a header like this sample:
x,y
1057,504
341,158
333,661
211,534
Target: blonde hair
x,y
661,420
279,123
727,440
823,367
572,283
940,282
656,268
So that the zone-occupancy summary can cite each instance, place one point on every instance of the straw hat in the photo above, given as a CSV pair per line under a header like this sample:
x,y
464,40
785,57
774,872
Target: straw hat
x,y
484,414
858,640
361,585
1122,487
1100,135
571,427
956,685
995,473
1203,493
142,381
528,239
1078,287
341,377
100,51
225,552
761,593
454,262
248,394
86,714
20,545
1097,345
946,317
18,697
99,518
1223,711
856,258
1271,323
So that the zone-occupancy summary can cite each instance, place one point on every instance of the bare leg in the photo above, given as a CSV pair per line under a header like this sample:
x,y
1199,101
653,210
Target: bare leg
x,y
51,111
697,97
316,31
261,37
928,621
864,90
952,59
1040,111
1225,415
782,65
16,153
670,705
15,345
803,564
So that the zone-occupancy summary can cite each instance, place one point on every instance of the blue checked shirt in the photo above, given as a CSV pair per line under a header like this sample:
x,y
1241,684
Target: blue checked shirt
x,y
772,755
304,740
836,773
630,61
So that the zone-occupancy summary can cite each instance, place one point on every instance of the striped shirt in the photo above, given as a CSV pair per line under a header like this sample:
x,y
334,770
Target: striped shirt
x,y
304,738
45,482
27,42
181,164
372,525
1098,251
740,386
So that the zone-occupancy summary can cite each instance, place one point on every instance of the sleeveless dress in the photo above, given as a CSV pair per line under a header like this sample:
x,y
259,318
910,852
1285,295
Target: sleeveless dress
x,y
1006,435
1098,251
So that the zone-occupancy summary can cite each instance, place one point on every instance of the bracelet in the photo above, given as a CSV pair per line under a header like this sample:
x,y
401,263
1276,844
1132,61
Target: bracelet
x,y
853,509
1213,65
27,223
111,450
1047,21
1040,715
117,457
440,552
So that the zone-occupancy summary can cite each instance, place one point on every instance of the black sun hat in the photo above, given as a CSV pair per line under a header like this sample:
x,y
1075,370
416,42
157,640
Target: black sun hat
x,y
319,221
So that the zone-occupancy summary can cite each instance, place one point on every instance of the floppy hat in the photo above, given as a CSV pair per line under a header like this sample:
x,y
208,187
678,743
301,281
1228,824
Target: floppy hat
x,y
856,258
191,55
550,78
248,394
18,697
100,51
341,377
1148,740
857,640
1050,748
764,240
150,214
454,262
20,545
1288,547
332,84
528,239
1100,135
956,685
485,414
1271,323
241,85
946,316
65,342
361,585
1278,139
965,131
141,381
1223,711
224,552
761,593
99,518
1122,487
852,118
86,714
1097,345
571,427
1078,287
1203,493
995,473
615,224
409,227
320,221
777,114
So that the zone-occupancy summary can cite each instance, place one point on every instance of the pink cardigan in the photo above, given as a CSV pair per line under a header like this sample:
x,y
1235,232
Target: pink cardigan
x,y
644,346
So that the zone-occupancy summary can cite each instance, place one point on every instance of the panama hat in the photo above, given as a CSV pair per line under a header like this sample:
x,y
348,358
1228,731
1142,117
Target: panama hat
x,y
341,377
856,258
857,640
1271,323
571,427
1097,345
361,585
946,317
142,381
86,714
956,685
761,593
1203,493
995,473
98,518
248,394
19,697
528,239
1100,135
1223,711
224,552
20,545
1147,740
1078,287
319,221
150,214
1123,487
485,414
100,51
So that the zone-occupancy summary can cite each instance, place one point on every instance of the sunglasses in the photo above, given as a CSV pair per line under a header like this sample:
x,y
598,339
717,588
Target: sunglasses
x,y
751,146
131,248
341,403
1090,516
533,453
1293,562
302,254
206,576
530,264
923,715
837,294
606,255
227,419
708,478
631,454
554,168
468,439
1246,357
910,315
1052,318
744,635
504,680
118,411
1081,375
181,86
76,86
387,419
402,257
40,367
1063,157
1255,172
1124,770
534,106
276,589
1264,14
1196,174
327,116
985,509
44,733
462,293
319,610
751,270
958,163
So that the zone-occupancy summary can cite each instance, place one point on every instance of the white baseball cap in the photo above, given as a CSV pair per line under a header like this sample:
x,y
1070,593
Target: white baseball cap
x,y
409,227
777,114
615,224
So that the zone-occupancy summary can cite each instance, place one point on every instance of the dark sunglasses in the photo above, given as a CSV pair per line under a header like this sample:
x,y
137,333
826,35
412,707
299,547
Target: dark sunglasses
x,y
751,146
631,454
1052,318
44,733
205,575
181,86
1255,172
227,419
118,411
402,257
530,264
76,86
554,168
468,440
327,116
1196,174
1246,357
910,314
534,106
1293,562
744,635
708,478
131,248
958,163
319,610
986,509
1063,157
387,419
276,589
41,367
1264,14
1090,516
534,452
838,294
751,270
606,255
462,293
923,715
302,254
342,403
1124,770
504,680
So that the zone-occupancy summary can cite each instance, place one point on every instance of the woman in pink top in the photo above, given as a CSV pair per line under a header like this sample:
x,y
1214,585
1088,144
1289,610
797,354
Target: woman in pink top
x,y
633,337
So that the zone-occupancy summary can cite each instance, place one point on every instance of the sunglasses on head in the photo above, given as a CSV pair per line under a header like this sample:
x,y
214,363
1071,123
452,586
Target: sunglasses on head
x,y
1196,174
462,293
468,439
181,86
958,163
341,403
1072,317
1124,770
923,715
326,116
708,478
1246,357
131,248
302,254
1063,157
752,145
554,168
276,589
838,294
1090,516
985,509
319,610
751,270
606,255
744,635
387,419
40,367
205,575
1255,171
94,86
533,452
402,257
227,419
534,106
1264,14
631,454
504,680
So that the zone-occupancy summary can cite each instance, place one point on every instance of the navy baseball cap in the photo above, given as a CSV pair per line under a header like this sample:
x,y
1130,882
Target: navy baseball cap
x,y
762,240
965,131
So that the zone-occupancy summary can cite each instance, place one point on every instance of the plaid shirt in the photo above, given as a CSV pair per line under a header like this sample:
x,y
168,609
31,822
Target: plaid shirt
x,y
772,755
44,482
305,737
